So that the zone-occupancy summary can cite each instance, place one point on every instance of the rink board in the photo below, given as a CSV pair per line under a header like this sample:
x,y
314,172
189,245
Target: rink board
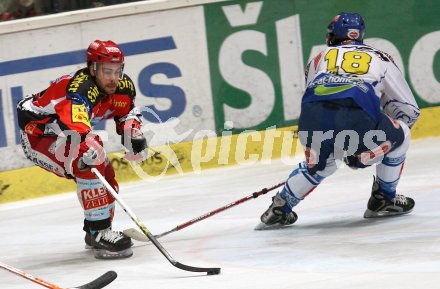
x,y
245,148
198,64
253,146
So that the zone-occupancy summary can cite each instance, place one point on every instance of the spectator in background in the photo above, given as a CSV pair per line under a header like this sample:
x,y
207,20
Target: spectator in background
x,y
20,9
68,5
17,9
3,6
95,4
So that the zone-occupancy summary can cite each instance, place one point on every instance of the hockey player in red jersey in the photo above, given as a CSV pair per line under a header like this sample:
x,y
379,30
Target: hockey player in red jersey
x,y
353,90
57,134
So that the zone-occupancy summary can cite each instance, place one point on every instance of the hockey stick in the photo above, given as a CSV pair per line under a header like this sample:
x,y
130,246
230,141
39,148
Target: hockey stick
x,y
98,283
209,271
136,235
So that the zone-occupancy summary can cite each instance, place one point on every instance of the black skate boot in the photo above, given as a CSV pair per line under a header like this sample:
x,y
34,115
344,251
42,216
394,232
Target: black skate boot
x,y
380,206
278,214
108,244
88,240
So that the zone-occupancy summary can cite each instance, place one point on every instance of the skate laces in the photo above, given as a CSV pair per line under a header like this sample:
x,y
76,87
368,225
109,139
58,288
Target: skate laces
x,y
400,200
109,235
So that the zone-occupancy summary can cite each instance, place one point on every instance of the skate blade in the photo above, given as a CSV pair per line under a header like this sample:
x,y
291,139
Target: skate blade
x,y
105,254
263,227
381,214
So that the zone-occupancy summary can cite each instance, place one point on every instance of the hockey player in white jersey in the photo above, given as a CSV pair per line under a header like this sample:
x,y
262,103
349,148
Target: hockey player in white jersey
x,y
357,107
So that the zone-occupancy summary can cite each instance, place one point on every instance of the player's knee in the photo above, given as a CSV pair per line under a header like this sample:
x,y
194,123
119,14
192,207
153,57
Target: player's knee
x,y
330,168
110,176
401,145
109,171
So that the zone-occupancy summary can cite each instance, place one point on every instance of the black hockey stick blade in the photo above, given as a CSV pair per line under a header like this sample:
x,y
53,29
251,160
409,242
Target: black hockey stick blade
x,y
138,236
209,271
99,282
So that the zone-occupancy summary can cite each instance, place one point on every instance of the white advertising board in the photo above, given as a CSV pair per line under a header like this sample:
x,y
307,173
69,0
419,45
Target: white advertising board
x,y
166,57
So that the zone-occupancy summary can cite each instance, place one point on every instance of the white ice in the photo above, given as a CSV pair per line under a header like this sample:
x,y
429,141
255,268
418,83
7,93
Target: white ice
x,y
330,246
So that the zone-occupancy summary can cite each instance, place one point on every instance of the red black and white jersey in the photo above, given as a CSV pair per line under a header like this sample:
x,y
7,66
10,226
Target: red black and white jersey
x,y
74,102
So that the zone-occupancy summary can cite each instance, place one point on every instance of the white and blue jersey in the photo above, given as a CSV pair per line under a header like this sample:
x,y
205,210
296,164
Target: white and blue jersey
x,y
362,72
327,86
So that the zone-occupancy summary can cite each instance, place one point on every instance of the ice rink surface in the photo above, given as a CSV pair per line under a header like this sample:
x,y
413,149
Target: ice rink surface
x,y
330,246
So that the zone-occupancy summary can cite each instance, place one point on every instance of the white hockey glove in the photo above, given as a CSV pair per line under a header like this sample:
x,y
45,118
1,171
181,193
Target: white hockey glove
x,y
91,152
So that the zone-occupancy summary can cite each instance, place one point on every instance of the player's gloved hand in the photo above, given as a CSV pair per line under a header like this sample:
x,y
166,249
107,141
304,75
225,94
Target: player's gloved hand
x,y
354,163
133,140
351,162
91,152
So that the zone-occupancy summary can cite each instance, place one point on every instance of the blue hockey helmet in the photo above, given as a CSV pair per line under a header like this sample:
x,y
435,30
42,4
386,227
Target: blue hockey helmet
x,y
345,26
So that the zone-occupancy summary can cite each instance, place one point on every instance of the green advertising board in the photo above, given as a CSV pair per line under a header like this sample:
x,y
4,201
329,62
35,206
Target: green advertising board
x,y
258,50
246,43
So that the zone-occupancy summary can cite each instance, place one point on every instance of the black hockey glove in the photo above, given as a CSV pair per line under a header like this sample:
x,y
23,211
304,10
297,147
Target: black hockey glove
x,y
354,163
134,140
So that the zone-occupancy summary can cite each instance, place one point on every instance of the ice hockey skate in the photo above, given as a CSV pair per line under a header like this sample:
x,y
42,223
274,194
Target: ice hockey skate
x,y
108,244
380,206
278,215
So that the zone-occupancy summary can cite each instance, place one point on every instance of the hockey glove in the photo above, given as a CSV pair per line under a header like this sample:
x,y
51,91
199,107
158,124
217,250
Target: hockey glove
x,y
133,140
91,152
353,162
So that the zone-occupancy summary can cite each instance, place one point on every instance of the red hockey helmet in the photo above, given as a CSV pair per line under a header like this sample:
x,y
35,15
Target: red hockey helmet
x,y
104,51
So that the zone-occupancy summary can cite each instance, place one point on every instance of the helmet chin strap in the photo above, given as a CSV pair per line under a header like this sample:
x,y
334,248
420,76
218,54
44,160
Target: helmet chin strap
x,y
95,68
